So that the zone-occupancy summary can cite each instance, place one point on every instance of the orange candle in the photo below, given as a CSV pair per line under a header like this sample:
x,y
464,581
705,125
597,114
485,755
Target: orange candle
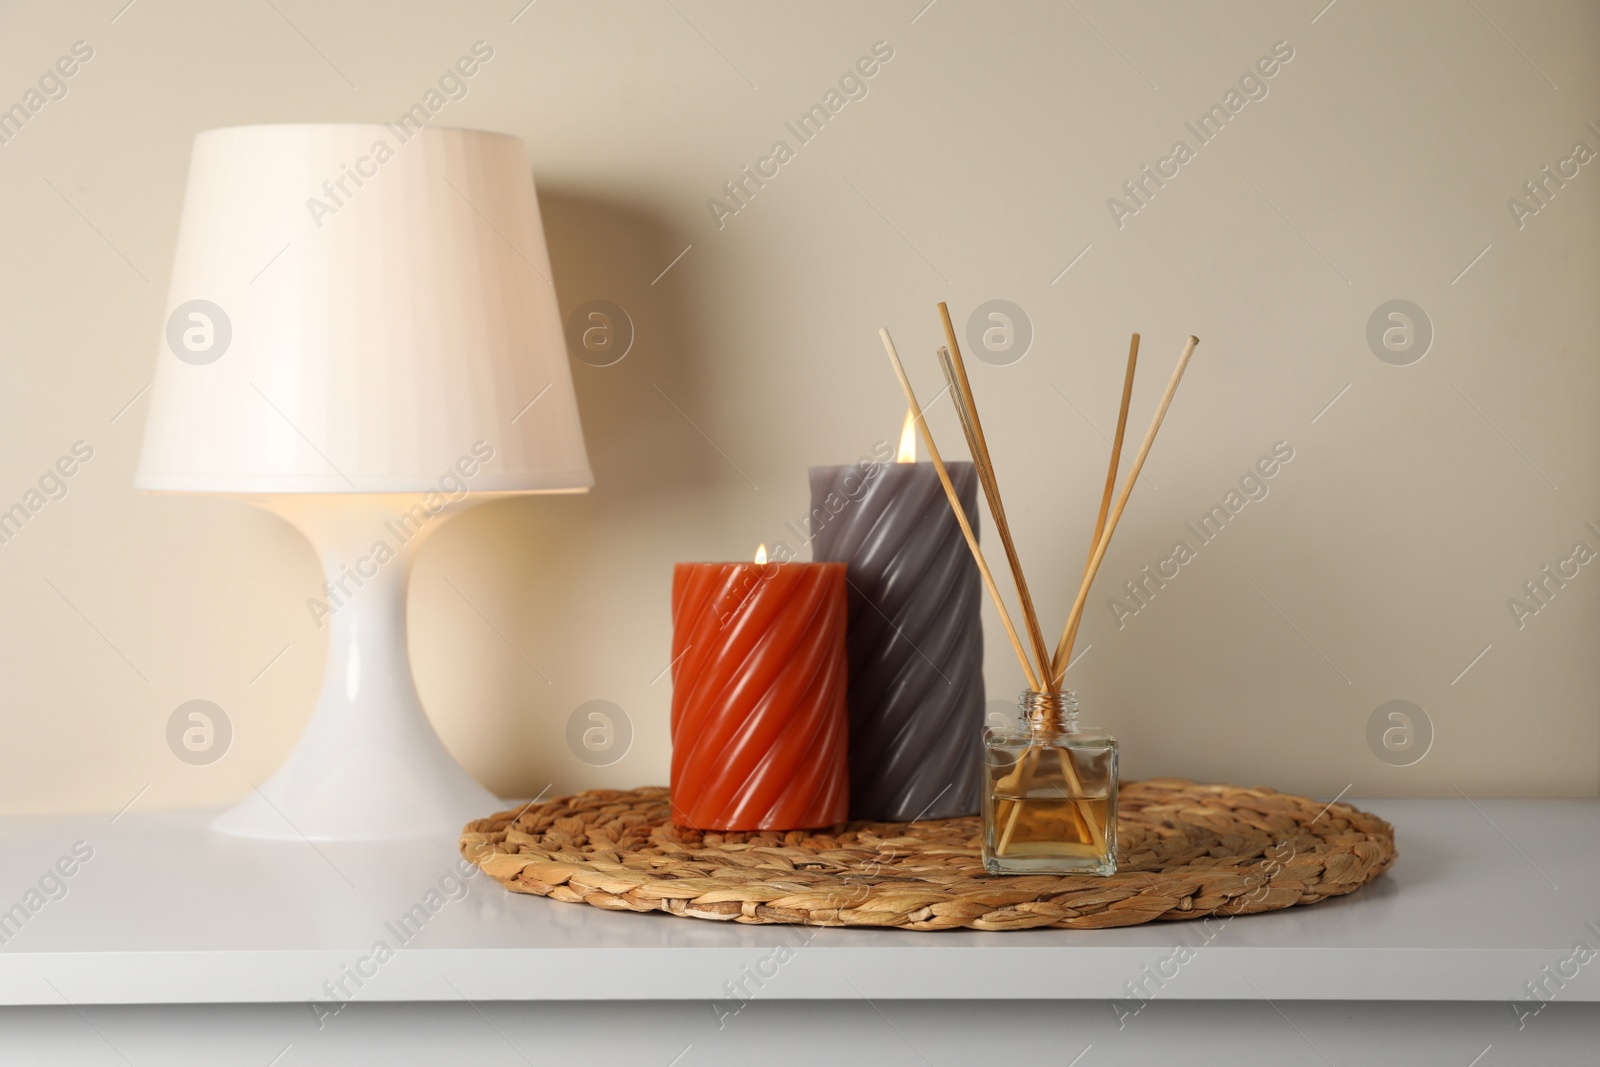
x,y
759,725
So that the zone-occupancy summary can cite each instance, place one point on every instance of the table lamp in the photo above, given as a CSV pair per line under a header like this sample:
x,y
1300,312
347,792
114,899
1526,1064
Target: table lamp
x,y
362,337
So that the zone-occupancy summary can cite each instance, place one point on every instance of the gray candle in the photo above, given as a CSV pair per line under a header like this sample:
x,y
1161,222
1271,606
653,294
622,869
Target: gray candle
x,y
915,635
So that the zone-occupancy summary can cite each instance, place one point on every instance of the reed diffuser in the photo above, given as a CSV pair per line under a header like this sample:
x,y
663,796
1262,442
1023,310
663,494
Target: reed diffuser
x,y
1050,783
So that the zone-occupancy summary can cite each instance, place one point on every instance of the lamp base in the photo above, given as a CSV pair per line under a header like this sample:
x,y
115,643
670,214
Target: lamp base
x,y
369,766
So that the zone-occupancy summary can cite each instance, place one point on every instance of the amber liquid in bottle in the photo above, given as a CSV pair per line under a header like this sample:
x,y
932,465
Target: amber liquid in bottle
x,y
1050,798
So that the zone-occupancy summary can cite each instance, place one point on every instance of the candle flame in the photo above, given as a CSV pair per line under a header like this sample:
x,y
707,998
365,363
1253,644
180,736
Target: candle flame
x,y
908,440
761,554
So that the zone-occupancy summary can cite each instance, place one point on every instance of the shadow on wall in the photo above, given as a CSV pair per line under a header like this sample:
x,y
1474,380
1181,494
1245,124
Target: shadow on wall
x,y
641,449
525,563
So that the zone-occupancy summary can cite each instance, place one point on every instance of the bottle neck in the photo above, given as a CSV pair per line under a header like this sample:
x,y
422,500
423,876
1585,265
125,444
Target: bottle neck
x,y
1050,712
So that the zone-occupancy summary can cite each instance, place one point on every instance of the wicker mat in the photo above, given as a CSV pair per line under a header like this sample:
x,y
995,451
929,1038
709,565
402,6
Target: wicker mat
x,y
1185,851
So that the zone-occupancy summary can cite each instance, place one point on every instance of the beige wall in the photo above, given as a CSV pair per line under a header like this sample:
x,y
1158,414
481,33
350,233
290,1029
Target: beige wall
x,y
978,166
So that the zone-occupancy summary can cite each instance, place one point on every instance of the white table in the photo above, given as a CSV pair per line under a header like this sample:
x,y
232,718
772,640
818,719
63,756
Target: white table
x,y
173,945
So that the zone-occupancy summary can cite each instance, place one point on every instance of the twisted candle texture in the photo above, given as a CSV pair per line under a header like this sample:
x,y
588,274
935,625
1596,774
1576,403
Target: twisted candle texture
x,y
916,637
758,714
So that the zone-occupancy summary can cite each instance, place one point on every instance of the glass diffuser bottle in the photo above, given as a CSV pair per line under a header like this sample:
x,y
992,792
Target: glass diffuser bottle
x,y
1050,796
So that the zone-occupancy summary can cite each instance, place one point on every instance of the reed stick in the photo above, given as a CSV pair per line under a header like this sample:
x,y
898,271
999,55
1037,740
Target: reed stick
x,y
1097,836
1051,668
1070,634
967,410
961,514
978,445
1024,774
967,413
955,372
1111,481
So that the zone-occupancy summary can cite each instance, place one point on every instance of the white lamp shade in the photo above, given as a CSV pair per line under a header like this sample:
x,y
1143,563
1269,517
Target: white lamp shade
x,y
360,308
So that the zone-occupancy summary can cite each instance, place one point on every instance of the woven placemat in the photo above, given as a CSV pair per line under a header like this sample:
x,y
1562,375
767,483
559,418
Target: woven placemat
x,y
1185,851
